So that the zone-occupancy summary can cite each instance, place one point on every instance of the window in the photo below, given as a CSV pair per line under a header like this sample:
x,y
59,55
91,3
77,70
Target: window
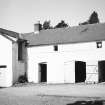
x,y
3,66
20,50
56,48
99,44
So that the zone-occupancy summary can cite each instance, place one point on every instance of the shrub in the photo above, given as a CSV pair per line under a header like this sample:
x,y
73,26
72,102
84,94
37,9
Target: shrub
x,y
22,79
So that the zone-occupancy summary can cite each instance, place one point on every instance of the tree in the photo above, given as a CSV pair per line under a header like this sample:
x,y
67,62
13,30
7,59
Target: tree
x,y
40,26
93,18
61,24
46,25
84,23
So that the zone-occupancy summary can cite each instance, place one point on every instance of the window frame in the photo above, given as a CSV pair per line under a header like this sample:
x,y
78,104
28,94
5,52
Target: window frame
x,y
55,47
99,44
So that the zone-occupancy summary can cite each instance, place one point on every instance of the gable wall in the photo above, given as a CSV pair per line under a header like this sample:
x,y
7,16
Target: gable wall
x,y
5,59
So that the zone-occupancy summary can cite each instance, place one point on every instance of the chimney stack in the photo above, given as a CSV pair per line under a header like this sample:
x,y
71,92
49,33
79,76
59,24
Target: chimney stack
x,y
36,27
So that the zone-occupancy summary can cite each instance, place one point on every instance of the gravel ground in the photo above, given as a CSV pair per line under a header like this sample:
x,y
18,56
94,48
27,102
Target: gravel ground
x,y
62,94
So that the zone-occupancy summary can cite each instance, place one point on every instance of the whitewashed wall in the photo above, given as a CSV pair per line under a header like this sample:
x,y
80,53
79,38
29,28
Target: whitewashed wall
x,y
5,59
57,61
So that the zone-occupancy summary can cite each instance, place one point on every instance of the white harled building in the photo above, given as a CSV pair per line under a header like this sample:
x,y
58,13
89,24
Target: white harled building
x,y
66,55
61,55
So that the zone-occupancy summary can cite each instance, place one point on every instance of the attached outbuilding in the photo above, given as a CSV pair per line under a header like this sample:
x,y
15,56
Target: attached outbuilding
x,y
12,66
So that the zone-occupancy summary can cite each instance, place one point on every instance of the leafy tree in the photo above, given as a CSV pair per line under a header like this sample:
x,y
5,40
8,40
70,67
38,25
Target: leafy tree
x,y
46,25
40,26
61,24
93,18
84,23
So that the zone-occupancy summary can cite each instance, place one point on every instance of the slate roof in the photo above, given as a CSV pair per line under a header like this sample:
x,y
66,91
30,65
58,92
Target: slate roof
x,y
78,34
9,33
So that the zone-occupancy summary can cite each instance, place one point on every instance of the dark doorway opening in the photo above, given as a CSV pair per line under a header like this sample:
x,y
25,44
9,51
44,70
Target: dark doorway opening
x,y
101,71
42,72
80,71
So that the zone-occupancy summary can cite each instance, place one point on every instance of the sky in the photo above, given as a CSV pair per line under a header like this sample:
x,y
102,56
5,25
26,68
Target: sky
x,y
21,15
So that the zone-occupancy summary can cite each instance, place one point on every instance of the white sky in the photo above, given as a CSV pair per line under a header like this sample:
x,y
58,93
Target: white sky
x,y
20,15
